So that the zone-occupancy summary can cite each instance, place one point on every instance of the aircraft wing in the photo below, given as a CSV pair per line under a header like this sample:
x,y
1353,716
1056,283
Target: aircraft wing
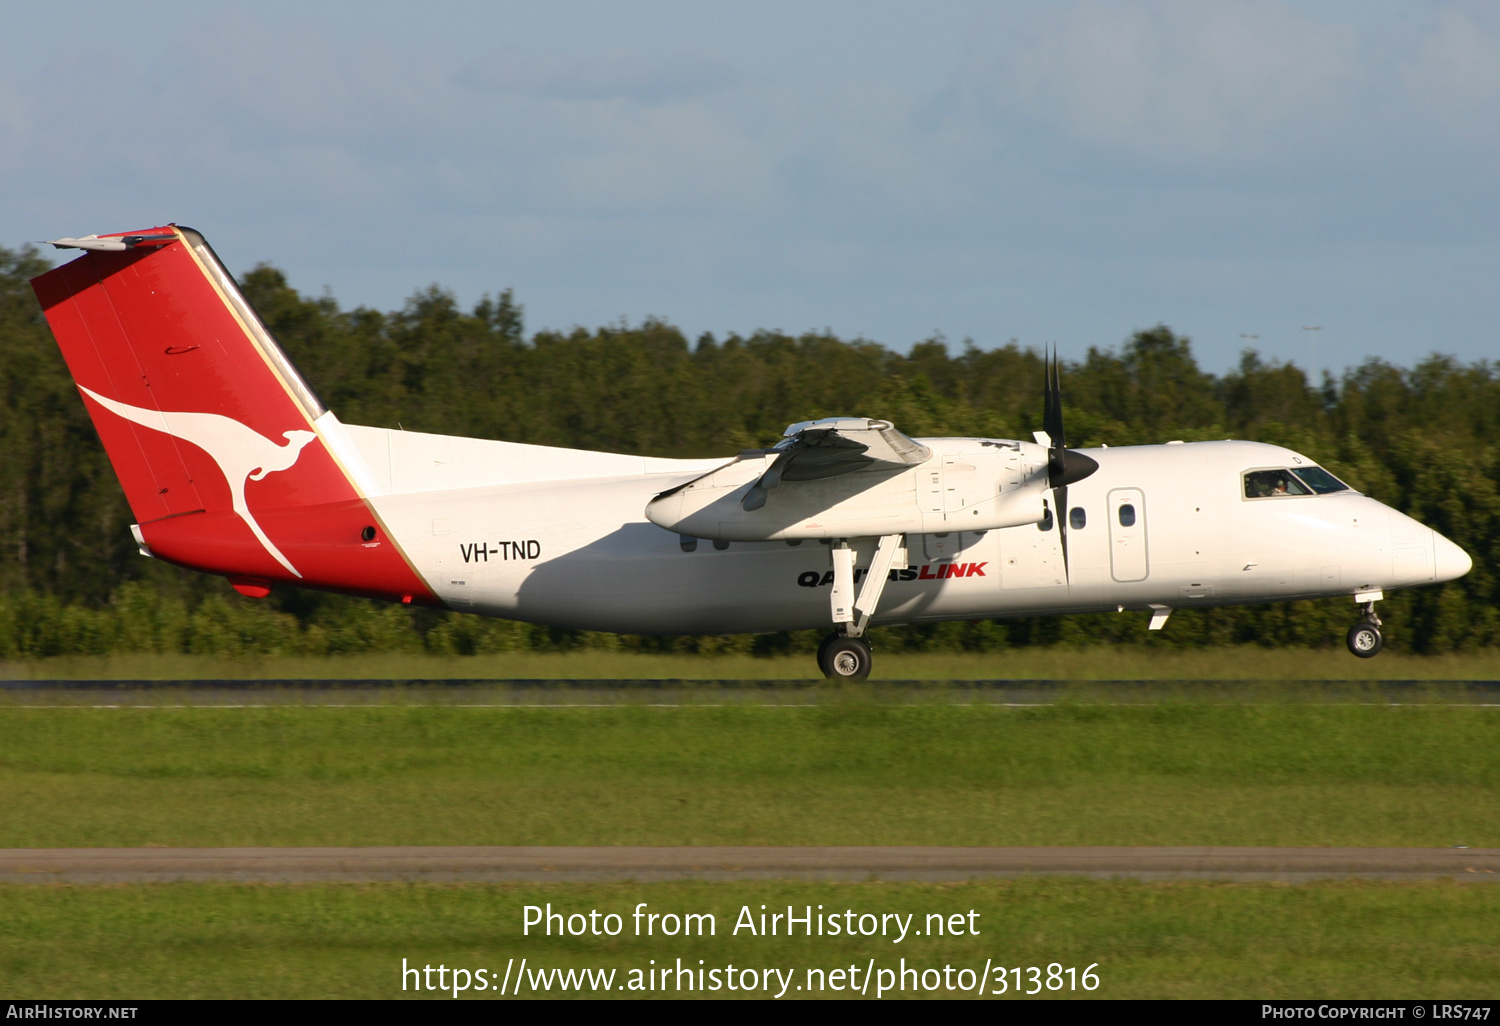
x,y
813,450
851,476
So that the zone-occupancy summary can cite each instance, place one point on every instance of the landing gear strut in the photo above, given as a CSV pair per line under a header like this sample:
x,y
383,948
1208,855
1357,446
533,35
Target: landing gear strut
x,y
841,657
845,654
1364,638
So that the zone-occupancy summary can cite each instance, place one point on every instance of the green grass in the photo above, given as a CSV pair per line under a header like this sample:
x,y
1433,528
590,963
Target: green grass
x,y
1176,940
839,773
849,770
1101,663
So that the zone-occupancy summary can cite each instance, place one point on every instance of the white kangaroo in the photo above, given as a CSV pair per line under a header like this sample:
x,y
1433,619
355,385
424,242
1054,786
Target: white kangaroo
x,y
240,452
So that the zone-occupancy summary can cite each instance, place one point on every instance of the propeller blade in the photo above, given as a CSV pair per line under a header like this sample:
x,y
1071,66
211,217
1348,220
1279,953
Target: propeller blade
x,y
1061,494
1064,467
1052,423
1057,453
1047,414
1052,415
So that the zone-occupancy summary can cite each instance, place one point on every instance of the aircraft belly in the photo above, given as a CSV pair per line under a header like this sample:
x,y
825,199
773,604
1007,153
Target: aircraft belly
x,y
635,590
532,555
748,587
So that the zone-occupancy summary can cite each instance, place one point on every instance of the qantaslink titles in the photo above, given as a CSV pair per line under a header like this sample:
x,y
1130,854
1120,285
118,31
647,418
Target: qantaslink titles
x,y
926,572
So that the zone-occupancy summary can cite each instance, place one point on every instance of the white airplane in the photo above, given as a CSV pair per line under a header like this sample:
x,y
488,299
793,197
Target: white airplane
x,y
232,466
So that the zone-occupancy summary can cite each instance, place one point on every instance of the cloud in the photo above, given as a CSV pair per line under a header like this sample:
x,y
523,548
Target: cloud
x,y
13,125
642,78
1173,79
1453,72
1061,164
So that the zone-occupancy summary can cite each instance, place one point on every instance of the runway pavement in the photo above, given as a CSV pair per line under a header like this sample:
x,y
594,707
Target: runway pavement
x,y
543,865
241,694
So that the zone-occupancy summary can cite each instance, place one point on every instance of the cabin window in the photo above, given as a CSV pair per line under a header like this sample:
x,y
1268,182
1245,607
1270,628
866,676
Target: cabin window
x,y
1270,484
1320,480
1046,524
1077,518
1127,515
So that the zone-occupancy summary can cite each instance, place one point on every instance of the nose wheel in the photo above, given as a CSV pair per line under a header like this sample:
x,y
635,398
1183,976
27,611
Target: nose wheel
x,y
841,657
1364,638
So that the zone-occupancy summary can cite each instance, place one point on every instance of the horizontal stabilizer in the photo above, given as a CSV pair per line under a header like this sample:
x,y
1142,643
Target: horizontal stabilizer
x,y
117,243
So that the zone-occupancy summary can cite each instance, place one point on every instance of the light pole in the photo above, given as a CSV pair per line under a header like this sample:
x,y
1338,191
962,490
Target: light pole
x,y
1313,339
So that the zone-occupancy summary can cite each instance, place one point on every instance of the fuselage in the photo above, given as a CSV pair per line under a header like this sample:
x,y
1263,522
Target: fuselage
x,y
579,552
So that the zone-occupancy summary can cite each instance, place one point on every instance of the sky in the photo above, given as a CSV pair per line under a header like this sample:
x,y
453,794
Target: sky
x,y
1061,172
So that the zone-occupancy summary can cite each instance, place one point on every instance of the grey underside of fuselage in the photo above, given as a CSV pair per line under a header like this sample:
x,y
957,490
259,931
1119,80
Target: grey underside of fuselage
x,y
752,587
599,565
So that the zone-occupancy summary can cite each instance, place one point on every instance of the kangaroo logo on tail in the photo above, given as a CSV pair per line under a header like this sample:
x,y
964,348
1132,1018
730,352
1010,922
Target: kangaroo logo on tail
x,y
241,452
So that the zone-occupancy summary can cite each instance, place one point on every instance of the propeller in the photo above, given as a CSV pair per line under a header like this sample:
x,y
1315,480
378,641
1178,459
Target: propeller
x,y
1064,466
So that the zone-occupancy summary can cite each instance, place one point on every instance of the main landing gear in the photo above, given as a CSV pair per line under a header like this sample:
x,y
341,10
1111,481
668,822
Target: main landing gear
x,y
841,657
1364,638
845,654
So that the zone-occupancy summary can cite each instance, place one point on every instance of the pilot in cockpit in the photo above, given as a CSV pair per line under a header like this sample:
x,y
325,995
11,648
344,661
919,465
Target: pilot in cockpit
x,y
1265,484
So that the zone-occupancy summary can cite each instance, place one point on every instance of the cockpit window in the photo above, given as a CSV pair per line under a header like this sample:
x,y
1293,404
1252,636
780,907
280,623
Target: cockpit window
x,y
1321,481
1266,484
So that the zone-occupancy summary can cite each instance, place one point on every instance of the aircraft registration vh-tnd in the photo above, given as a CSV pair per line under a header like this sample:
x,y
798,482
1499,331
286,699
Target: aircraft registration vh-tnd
x,y
232,466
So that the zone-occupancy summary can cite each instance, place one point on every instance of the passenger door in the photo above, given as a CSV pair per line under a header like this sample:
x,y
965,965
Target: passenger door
x,y
1128,558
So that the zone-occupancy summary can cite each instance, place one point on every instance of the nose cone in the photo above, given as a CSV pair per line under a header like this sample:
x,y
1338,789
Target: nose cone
x,y
1450,560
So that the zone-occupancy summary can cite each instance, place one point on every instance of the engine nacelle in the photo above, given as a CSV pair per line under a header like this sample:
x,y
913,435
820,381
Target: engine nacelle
x,y
968,484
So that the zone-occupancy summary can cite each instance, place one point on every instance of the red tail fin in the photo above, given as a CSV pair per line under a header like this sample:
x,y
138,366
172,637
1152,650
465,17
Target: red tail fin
x,y
214,435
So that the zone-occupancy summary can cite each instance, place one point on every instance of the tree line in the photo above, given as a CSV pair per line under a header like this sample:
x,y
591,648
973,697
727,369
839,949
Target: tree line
x,y
1422,439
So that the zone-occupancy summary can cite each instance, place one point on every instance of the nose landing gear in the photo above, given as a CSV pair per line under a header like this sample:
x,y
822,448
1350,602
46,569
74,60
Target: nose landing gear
x,y
1364,638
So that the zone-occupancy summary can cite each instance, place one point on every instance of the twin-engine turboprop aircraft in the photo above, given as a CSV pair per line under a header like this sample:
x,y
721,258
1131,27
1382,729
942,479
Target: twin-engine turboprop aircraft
x,y
232,466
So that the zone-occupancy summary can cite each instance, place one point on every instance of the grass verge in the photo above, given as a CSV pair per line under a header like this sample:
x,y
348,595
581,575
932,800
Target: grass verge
x,y
1150,940
1100,663
1177,773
